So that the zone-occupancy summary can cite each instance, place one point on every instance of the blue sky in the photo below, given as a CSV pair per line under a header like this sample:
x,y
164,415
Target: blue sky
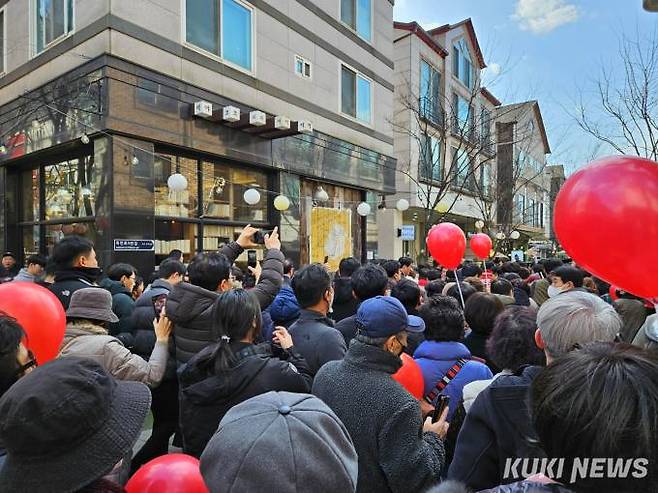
x,y
549,50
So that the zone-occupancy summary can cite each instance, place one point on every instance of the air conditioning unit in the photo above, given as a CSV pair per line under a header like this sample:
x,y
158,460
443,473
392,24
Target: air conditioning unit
x,y
203,109
231,114
304,127
257,118
282,123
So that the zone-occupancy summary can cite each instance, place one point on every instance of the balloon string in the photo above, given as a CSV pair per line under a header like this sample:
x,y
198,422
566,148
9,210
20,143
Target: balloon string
x,y
459,288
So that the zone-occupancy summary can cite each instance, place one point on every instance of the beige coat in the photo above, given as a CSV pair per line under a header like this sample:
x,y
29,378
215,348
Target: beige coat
x,y
86,340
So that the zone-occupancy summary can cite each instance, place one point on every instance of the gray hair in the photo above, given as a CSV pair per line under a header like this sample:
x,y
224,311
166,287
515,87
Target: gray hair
x,y
576,317
371,341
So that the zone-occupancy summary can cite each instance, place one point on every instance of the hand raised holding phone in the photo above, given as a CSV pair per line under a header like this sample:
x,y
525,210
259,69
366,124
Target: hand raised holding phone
x,y
282,337
439,426
163,327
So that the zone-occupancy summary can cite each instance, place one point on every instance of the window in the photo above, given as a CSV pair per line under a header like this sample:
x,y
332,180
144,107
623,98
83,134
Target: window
x,y
54,19
355,95
430,90
202,29
461,63
461,168
519,207
302,67
485,128
430,162
541,214
2,41
357,15
71,188
485,179
463,121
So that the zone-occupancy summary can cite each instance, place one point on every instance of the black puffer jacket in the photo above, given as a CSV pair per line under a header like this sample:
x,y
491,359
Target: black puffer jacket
x,y
497,427
206,396
190,307
69,281
142,325
383,419
345,304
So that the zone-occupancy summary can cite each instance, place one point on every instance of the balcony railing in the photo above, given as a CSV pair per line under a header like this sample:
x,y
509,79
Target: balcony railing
x,y
430,111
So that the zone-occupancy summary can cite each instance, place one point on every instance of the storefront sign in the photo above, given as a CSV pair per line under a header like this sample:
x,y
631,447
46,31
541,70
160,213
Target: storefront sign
x,y
134,245
408,232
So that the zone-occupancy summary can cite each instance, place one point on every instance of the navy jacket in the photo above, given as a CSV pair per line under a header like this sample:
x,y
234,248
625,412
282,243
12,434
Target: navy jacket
x,y
497,427
436,358
68,282
284,310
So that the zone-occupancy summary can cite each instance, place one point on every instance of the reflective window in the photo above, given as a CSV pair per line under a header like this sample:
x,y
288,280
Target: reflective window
x,y
2,41
461,64
173,202
30,195
56,232
54,20
71,188
358,15
431,166
202,29
30,240
356,97
464,121
461,167
175,235
430,90
241,180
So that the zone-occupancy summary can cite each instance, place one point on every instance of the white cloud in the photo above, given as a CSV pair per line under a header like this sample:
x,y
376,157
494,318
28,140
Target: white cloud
x,y
543,16
493,69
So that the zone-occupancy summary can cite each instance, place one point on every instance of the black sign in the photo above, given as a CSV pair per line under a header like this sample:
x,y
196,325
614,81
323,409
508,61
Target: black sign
x,y
134,245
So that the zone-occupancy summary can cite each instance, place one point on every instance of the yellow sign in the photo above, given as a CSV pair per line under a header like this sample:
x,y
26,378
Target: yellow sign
x,y
331,235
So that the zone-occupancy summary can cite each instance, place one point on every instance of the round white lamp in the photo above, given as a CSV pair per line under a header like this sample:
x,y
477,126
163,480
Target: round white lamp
x,y
251,196
177,182
281,203
500,236
479,224
402,205
363,209
321,195
515,235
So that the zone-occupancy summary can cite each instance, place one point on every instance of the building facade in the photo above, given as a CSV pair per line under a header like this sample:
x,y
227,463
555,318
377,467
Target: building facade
x,y
106,104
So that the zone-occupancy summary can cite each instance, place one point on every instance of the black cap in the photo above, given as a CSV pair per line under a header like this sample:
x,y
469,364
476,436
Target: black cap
x,y
8,254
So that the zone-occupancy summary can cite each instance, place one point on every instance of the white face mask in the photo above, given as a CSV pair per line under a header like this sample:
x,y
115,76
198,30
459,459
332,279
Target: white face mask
x,y
553,291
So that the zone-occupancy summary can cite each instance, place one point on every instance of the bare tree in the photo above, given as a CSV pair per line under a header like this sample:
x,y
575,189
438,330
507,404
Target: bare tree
x,y
623,113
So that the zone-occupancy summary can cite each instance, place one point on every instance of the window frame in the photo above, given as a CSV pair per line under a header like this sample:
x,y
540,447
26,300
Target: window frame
x,y
220,58
358,74
354,28
3,40
460,46
439,144
438,121
299,58
69,27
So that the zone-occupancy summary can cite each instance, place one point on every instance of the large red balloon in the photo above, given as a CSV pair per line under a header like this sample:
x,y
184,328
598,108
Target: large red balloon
x,y
40,314
171,473
410,376
447,244
481,245
606,218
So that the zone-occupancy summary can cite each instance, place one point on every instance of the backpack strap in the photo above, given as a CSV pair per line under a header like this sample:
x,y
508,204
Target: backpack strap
x,y
447,378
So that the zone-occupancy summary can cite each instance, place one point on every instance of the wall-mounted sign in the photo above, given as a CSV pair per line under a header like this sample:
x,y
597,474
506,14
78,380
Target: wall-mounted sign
x,y
134,245
408,232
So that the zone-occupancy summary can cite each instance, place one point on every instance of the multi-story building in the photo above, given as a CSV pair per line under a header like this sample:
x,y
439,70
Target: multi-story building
x,y
557,178
106,103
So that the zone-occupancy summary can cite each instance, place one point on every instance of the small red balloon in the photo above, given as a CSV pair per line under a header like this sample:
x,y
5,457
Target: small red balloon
x,y
40,314
606,218
171,473
446,243
410,376
481,245
614,295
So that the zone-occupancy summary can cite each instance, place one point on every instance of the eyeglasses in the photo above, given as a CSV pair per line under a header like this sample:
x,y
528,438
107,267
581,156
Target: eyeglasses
x,y
32,363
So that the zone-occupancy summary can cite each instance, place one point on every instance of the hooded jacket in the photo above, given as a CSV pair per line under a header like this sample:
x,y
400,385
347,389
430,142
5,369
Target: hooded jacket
x,y
497,427
190,307
142,325
345,304
24,276
70,280
284,310
87,340
122,305
206,396
436,358
383,419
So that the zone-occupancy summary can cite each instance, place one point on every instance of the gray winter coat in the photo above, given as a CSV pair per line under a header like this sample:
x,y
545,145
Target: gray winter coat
x,y
24,276
86,340
383,419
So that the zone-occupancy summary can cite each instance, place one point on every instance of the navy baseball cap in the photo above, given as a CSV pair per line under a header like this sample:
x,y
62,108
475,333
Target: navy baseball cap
x,y
384,316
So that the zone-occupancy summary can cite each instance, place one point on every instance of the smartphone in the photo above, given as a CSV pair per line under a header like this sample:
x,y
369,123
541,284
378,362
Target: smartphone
x,y
251,258
259,237
326,259
442,402
158,304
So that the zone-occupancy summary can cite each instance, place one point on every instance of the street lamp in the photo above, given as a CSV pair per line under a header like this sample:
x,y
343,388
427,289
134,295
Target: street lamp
x,y
500,236
479,224
515,235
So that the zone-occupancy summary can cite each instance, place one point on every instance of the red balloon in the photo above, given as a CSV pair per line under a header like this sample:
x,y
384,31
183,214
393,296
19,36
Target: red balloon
x,y
410,376
481,245
171,473
606,218
613,293
447,244
40,314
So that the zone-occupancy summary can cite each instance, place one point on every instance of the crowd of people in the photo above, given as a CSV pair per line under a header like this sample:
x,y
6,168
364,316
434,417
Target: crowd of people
x,y
282,377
